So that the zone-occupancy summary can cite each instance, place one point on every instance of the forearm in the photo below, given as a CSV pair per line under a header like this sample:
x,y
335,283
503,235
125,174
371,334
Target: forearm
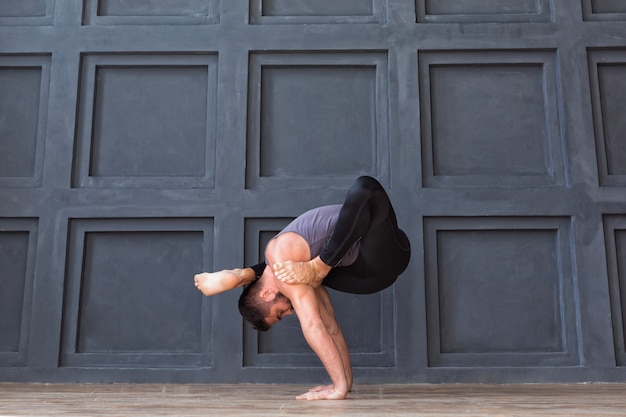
x,y
328,317
340,342
323,344
321,341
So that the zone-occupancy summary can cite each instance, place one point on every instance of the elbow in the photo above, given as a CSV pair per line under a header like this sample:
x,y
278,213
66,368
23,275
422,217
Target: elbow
x,y
313,323
313,327
333,330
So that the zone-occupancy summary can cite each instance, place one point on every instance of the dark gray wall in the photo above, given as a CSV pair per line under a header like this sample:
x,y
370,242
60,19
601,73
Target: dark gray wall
x,y
142,142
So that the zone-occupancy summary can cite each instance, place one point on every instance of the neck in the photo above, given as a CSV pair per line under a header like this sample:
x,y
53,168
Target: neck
x,y
267,283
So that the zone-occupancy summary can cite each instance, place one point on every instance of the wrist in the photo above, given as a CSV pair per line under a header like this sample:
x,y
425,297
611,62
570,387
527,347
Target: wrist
x,y
339,394
341,388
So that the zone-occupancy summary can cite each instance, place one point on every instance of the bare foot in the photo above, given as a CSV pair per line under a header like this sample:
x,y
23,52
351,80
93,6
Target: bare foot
x,y
211,283
310,272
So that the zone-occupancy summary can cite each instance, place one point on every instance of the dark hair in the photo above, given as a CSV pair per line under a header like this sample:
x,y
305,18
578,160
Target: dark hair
x,y
253,308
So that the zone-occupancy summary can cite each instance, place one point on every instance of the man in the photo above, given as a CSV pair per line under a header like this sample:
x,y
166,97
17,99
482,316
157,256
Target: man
x,y
356,247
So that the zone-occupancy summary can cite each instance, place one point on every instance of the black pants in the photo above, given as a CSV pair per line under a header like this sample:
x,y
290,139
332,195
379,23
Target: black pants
x,y
384,250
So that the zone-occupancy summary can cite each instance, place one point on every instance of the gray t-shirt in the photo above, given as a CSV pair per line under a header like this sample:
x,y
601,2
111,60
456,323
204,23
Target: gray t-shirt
x,y
316,227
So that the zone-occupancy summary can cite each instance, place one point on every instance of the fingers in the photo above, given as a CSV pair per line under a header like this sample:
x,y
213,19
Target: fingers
x,y
325,394
309,396
320,388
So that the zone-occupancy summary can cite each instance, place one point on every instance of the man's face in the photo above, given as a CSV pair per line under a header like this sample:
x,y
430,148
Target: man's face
x,y
281,307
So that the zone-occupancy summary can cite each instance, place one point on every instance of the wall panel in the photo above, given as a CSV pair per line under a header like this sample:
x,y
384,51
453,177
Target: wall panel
x,y
435,11
27,12
18,242
615,235
119,309
497,291
333,103
320,11
511,101
179,12
604,10
166,131
608,83
24,83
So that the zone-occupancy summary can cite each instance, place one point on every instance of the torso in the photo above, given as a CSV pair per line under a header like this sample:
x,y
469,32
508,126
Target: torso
x,y
316,227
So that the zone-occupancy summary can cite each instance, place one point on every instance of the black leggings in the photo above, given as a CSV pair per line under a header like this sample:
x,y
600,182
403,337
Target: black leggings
x,y
384,250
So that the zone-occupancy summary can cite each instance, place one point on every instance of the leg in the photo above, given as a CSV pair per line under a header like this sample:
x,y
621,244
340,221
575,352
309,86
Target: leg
x,y
384,254
366,205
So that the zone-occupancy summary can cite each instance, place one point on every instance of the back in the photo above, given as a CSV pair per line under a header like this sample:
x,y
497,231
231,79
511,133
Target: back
x,y
316,227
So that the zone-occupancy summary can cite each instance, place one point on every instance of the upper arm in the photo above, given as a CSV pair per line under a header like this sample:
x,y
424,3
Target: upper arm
x,y
304,301
292,247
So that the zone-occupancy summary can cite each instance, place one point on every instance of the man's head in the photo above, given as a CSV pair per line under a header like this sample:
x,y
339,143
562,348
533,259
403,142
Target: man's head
x,y
262,306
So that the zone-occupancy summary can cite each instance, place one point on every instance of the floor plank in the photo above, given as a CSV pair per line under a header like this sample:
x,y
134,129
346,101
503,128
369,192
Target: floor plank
x,y
130,400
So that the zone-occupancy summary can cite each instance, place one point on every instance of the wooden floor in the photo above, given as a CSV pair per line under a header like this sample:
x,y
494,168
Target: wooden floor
x,y
125,400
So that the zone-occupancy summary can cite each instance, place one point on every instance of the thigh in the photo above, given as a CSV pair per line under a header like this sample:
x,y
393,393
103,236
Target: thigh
x,y
378,266
350,280
384,250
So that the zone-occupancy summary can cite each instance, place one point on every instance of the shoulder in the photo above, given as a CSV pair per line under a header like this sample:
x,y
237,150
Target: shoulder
x,y
287,246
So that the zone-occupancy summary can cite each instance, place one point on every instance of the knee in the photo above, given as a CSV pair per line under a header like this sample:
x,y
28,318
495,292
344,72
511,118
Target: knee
x,y
366,180
367,184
